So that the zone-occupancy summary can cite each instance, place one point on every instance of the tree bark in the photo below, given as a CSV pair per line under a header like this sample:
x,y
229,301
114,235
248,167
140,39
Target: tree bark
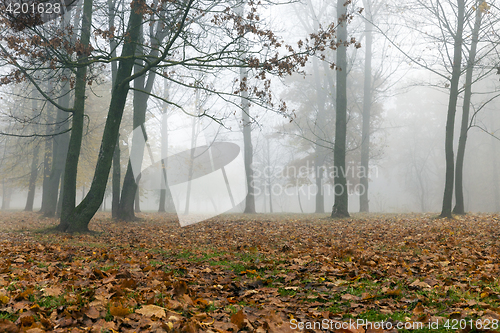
x,y
248,147
47,163
269,179
34,165
77,219
115,201
141,96
59,154
116,181
247,125
452,109
75,141
367,101
61,142
32,184
459,194
320,153
340,207
128,195
165,193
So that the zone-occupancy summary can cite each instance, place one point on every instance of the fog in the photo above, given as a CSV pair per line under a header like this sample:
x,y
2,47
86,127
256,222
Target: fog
x,y
412,78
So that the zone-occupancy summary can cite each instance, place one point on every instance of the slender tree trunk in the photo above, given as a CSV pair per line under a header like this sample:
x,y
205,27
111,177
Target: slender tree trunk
x,y
319,156
115,192
126,207
248,147
75,141
78,219
269,179
32,183
34,163
367,101
247,126
61,193
340,207
321,88
59,154
165,194
47,163
115,201
129,189
459,193
452,109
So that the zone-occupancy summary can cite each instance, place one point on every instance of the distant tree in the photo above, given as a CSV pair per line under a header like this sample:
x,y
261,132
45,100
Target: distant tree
x,y
34,164
340,206
481,9
367,103
451,59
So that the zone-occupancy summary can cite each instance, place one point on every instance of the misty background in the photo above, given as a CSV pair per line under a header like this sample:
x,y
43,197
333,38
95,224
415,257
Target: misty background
x,y
409,103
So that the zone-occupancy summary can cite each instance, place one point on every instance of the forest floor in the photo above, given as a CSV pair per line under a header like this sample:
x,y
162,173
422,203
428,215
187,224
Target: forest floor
x,y
255,273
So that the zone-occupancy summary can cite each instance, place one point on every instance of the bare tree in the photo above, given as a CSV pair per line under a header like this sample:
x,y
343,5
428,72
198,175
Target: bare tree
x,y
340,206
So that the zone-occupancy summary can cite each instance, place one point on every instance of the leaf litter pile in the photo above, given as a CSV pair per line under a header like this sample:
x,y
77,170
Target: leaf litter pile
x,y
251,273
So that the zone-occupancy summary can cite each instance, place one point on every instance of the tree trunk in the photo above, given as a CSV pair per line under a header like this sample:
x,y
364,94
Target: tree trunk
x,y
61,192
269,179
34,164
340,207
459,194
320,153
129,189
48,151
115,200
78,219
452,109
32,183
59,153
165,193
248,147
75,141
127,198
247,126
367,101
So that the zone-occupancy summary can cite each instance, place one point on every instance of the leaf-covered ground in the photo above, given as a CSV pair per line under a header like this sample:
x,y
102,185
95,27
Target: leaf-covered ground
x,y
254,273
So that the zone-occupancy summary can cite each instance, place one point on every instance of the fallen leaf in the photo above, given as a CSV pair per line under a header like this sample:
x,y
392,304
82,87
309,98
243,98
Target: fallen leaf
x,y
238,319
152,310
118,311
52,291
